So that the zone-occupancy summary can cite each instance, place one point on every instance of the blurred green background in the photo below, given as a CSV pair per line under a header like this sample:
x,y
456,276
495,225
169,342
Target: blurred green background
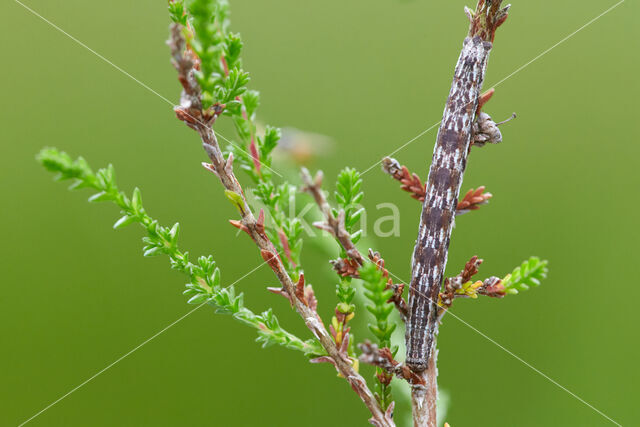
x,y
370,74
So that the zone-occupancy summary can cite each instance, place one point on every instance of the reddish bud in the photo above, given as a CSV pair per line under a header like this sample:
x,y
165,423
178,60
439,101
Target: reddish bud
x,y
484,98
240,226
300,290
270,259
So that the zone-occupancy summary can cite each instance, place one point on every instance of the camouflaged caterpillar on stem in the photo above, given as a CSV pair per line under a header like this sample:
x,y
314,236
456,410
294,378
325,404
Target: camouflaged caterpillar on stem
x,y
455,136
445,179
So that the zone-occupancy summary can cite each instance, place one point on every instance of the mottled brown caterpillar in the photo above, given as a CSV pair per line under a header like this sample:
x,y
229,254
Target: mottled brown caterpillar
x,y
445,178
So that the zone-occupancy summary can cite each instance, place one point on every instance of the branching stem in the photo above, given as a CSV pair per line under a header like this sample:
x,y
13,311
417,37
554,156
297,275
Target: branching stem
x,y
202,121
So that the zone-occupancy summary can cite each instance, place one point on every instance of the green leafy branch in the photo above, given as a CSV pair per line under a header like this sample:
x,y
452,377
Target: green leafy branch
x,y
204,286
529,274
348,196
223,81
378,294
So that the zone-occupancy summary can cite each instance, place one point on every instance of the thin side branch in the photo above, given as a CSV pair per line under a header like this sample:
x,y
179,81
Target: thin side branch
x,y
473,200
332,224
461,286
191,113
349,267
412,183
383,358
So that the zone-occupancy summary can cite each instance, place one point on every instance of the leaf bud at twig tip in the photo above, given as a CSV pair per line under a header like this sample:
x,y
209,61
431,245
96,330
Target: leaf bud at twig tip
x,y
210,168
323,226
305,173
228,167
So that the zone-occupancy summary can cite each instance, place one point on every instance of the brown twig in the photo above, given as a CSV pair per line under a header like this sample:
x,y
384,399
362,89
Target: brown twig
x,y
451,285
346,267
190,111
461,286
473,200
412,183
334,225
492,287
383,358
343,266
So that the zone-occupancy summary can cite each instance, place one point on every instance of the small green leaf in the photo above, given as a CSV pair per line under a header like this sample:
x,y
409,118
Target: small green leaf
x,y
173,233
100,197
157,250
136,200
198,299
528,274
236,199
215,278
124,221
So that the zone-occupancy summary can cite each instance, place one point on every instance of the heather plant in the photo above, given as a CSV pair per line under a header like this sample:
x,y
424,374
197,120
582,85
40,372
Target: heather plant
x,y
207,56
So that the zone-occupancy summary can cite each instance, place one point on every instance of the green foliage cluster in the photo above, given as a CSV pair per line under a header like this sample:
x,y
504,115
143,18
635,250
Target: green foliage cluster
x,y
220,77
223,80
204,285
525,276
377,293
345,292
348,196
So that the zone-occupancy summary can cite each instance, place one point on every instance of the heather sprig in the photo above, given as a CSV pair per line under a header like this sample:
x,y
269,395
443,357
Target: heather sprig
x,y
204,285
348,196
527,275
222,80
378,295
